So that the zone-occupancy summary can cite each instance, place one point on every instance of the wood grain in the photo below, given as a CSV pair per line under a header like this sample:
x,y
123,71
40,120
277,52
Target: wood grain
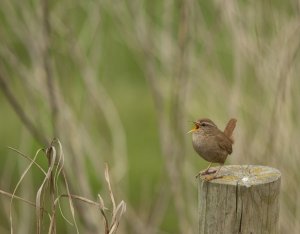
x,y
244,200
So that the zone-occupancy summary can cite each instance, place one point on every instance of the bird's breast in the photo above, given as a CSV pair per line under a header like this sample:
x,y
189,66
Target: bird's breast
x,y
207,148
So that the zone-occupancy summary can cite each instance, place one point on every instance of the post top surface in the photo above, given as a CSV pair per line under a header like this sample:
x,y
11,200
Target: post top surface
x,y
247,175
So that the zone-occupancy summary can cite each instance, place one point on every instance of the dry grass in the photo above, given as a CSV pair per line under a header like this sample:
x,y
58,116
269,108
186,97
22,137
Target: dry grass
x,y
216,59
48,196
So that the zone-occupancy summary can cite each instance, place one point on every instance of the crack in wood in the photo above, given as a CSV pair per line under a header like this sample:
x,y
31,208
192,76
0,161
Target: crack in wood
x,y
247,209
241,219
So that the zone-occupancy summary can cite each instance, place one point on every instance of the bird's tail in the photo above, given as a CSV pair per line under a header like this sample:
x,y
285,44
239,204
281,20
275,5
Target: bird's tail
x,y
229,128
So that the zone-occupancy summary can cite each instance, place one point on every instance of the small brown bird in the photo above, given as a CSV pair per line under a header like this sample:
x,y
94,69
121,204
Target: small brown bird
x,y
211,143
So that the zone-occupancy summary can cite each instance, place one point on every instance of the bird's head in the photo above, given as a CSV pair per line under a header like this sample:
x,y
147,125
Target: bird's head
x,y
203,126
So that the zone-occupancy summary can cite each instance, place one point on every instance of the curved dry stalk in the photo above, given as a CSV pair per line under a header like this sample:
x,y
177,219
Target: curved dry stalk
x,y
40,193
16,187
29,159
70,201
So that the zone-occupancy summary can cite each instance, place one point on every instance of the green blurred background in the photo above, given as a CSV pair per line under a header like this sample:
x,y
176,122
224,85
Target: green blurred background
x,y
120,81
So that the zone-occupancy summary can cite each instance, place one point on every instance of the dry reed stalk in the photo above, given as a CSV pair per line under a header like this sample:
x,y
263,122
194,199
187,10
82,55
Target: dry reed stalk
x,y
55,156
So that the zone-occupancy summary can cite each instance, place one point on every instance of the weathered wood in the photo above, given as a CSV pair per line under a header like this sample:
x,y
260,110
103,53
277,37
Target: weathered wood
x,y
245,200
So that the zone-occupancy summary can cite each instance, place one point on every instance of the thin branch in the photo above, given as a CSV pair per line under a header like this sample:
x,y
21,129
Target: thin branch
x,y
17,197
169,137
20,112
21,199
288,60
80,198
75,197
47,66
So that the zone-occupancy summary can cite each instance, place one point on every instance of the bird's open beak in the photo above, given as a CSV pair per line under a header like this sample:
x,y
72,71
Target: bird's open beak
x,y
194,128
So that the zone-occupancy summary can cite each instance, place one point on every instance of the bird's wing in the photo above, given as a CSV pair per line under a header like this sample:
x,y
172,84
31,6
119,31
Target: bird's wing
x,y
224,143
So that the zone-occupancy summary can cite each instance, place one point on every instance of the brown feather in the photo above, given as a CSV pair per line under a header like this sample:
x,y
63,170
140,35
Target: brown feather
x,y
229,128
224,143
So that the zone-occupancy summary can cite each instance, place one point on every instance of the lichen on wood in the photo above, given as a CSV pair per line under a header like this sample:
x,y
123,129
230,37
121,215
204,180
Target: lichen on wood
x,y
244,200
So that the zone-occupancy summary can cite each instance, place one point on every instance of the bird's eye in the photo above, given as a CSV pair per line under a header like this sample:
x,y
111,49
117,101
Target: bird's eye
x,y
203,124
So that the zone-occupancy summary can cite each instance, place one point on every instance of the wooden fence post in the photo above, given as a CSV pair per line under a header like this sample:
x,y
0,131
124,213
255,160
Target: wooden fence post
x,y
245,200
